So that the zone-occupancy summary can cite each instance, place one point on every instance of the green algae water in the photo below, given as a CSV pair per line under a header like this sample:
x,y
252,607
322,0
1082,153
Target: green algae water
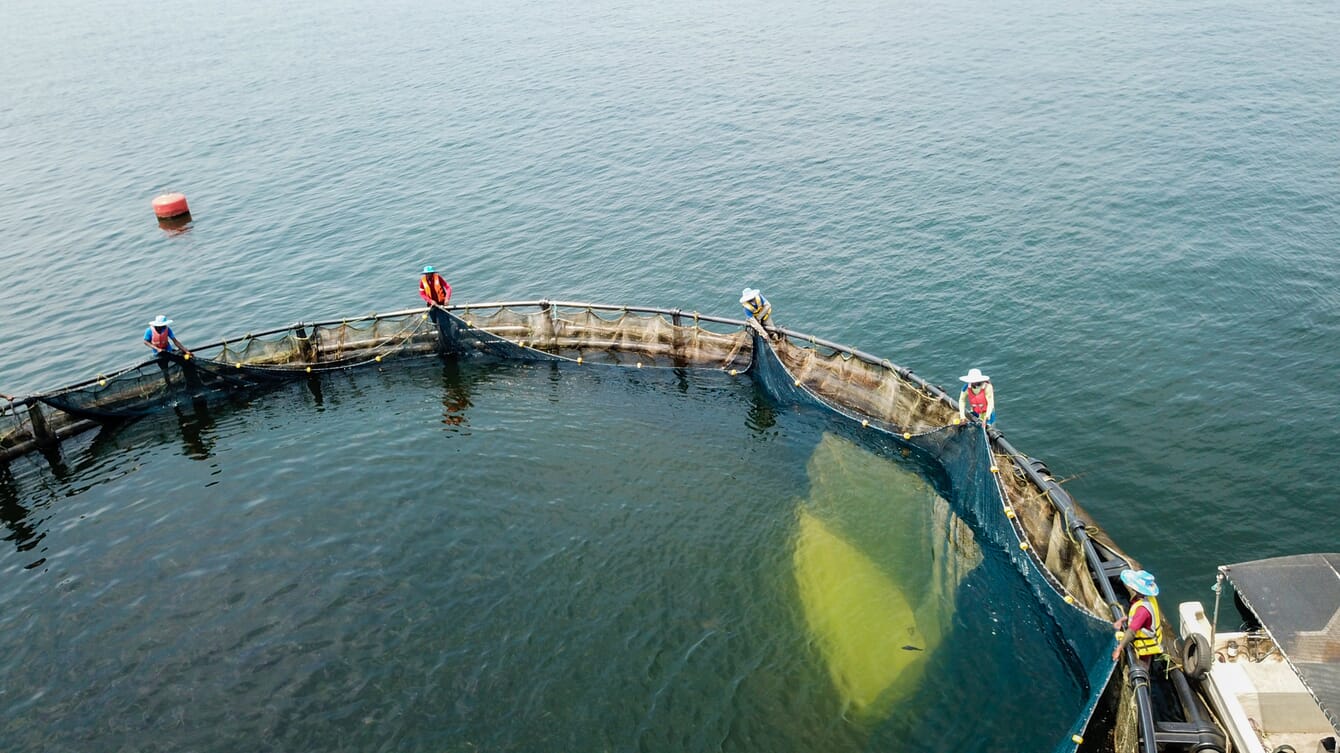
x,y
402,559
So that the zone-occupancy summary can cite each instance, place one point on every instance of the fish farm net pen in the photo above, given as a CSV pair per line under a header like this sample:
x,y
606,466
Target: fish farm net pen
x,y
1067,562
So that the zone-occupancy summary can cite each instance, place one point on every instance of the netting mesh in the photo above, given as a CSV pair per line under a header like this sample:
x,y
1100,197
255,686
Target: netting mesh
x,y
624,337
884,397
990,489
1047,532
246,363
891,404
877,392
326,346
136,391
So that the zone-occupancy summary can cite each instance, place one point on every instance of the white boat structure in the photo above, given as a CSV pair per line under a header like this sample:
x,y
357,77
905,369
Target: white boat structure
x,y
1274,682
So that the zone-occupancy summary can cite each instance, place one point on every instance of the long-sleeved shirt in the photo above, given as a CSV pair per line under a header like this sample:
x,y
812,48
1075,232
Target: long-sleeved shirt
x,y
990,414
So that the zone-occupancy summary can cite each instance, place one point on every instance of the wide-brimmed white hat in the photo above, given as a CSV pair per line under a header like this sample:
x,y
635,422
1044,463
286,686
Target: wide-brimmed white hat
x,y
748,294
1140,581
161,321
973,376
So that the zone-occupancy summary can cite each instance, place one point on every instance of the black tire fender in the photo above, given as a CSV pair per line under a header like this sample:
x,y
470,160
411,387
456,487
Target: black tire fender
x,y
1196,656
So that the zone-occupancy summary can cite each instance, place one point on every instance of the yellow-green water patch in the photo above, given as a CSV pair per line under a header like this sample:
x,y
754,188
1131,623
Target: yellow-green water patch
x,y
878,557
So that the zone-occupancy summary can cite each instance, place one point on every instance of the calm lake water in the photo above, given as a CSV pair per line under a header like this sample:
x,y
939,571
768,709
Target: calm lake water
x,y
1127,215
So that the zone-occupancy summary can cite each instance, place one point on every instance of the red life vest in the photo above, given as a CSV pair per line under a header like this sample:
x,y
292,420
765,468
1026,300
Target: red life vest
x,y
977,401
158,337
434,289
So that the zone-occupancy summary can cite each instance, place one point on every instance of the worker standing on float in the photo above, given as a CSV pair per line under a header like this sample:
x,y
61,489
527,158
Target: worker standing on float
x,y
1143,623
760,312
160,338
977,396
433,289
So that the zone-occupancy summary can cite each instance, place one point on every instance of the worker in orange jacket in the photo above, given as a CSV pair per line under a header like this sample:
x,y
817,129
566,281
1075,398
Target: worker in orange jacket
x,y
433,289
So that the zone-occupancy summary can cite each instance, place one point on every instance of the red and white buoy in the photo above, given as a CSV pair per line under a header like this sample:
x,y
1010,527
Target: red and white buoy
x,y
170,206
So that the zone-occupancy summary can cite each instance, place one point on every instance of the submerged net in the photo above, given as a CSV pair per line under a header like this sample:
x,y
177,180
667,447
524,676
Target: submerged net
x,y
982,486
995,496
879,559
887,398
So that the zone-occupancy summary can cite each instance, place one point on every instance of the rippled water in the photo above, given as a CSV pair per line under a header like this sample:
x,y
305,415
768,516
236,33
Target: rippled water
x,y
1127,215
498,557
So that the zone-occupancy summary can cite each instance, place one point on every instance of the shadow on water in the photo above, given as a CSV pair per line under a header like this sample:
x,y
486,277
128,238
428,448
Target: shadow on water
x,y
456,389
762,414
14,515
197,429
313,383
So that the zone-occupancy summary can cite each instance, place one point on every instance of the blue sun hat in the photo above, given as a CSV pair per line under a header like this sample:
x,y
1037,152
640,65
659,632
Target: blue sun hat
x,y
1140,581
429,269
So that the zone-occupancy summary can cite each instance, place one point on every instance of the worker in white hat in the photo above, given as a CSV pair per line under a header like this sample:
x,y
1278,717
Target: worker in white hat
x,y
159,337
759,312
977,396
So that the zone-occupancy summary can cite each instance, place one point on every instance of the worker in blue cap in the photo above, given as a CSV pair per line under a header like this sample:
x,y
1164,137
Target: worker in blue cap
x,y
1143,623
433,289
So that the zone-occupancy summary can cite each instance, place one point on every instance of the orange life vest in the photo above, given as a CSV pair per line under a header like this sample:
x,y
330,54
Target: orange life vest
x,y
433,288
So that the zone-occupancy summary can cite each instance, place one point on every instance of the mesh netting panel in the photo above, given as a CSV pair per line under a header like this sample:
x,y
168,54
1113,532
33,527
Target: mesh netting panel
x,y
623,338
356,341
476,333
1047,532
136,391
275,349
875,392
1083,641
246,363
331,345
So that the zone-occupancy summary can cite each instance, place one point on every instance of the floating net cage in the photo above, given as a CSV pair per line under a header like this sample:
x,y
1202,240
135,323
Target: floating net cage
x,y
246,363
1010,499
597,335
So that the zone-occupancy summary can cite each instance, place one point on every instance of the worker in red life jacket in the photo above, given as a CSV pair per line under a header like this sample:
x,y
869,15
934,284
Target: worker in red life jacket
x,y
433,289
159,337
1143,623
977,396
